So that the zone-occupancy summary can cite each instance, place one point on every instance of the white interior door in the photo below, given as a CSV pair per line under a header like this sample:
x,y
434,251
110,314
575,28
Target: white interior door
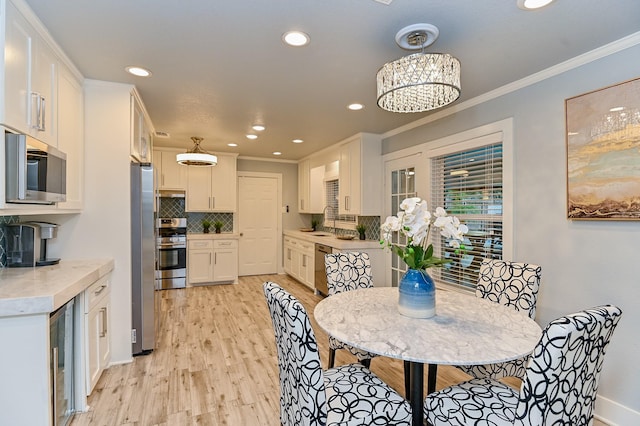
x,y
258,224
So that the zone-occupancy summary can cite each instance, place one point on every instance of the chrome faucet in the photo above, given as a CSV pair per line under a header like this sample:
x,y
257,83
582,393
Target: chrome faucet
x,y
324,217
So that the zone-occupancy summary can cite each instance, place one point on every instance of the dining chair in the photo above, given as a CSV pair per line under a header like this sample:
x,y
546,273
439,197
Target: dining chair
x,y
515,285
348,394
559,387
347,271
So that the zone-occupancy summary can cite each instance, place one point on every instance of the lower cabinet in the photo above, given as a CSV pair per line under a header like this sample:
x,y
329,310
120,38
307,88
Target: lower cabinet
x,y
97,314
299,260
212,261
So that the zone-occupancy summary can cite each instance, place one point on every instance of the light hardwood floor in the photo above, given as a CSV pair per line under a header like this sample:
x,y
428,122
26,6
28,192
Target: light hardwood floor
x,y
215,362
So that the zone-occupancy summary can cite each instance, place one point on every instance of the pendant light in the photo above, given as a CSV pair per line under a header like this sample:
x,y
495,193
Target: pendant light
x,y
196,156
420,81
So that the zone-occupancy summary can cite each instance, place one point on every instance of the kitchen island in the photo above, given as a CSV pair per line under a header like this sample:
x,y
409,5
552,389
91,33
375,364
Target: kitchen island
x,y
28,296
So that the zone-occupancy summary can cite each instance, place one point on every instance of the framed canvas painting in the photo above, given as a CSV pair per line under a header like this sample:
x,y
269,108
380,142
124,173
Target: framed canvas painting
x,y
603,153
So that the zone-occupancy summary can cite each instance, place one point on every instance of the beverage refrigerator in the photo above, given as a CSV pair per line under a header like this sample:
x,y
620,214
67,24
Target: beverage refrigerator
x,y
142,259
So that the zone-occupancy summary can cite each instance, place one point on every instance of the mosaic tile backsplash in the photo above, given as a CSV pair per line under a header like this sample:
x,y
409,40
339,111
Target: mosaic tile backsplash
x,y
372,223
174,207
3,245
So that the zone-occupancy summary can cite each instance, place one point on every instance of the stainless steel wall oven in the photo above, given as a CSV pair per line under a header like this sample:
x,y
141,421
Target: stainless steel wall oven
x,y
171,260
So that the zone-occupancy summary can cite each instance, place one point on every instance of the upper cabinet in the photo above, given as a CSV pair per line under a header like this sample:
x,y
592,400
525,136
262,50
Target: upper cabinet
x,y
360,175
169,174
30,80
141,131
212,189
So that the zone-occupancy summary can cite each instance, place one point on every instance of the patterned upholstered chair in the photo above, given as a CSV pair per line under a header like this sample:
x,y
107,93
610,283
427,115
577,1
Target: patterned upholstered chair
x,y
347,271
559,388
349,394
511,284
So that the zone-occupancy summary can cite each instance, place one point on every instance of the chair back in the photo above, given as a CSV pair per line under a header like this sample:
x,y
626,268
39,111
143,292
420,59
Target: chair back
x,y
562,377
347,271
511,284
302,391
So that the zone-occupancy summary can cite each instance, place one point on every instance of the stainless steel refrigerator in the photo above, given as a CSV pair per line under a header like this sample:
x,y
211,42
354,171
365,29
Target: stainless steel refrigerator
x,y
142,259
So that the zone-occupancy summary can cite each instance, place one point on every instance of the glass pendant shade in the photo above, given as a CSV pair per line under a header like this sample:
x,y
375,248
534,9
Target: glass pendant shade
x,y
197,156
419,82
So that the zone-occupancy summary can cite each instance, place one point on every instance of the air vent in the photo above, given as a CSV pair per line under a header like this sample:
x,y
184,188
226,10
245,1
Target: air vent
x,y
162,134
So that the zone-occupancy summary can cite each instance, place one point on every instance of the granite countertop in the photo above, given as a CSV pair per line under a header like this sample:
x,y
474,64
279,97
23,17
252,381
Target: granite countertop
x,y
331,240
43,289
213,236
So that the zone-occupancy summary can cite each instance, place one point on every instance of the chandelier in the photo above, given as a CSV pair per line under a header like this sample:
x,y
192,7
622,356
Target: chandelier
x,y
196,156
421,81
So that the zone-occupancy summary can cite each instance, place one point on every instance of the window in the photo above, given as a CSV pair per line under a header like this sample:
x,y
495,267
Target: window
x,y
332,188
403,185
468,184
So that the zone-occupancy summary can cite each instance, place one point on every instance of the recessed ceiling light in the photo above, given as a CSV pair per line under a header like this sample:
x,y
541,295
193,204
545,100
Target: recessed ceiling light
x,y
295,38
532,4
616,109
297,141
277,153
232,144
258,127
355,107
252,137
138,71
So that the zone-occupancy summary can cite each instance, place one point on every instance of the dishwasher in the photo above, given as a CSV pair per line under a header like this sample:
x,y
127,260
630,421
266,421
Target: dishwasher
x,y
320,271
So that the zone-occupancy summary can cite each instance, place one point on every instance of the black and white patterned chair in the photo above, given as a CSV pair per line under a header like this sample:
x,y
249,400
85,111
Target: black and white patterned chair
x,y
511,284
559,388
347,271
346,395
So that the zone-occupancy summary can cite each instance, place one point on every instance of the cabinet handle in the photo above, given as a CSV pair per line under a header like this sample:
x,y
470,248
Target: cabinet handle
x,y
100,290
215,258
103,332
209,258
301,204
43,114
214,202
304,260
54,367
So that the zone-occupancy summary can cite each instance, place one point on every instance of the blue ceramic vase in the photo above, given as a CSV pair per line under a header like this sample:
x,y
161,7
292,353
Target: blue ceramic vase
x,y
417,294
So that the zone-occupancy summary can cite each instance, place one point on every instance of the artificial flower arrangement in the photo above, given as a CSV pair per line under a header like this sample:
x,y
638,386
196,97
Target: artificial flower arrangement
x,y
415,221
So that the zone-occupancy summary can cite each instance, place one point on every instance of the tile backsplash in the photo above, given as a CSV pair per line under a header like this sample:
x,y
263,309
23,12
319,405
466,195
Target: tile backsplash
x,y
174,207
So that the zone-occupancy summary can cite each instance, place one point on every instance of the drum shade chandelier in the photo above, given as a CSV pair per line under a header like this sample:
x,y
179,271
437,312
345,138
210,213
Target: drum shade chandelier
x,y
420,81
196,156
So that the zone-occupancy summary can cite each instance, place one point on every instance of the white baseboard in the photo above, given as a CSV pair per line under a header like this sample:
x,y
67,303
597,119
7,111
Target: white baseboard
x,y
615,414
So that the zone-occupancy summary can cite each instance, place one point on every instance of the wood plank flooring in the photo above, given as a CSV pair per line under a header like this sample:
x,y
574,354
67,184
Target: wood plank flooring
x,y
215,362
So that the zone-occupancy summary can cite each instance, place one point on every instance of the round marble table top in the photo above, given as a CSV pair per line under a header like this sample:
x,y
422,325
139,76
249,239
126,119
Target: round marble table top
x,y
465,330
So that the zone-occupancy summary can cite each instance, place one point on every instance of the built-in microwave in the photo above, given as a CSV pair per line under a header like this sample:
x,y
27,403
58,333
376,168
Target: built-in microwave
x,y
36,173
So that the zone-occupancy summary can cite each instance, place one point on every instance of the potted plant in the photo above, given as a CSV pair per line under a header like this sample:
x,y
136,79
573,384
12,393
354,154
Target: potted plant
x,y
361,228
314,223
206,224
218,226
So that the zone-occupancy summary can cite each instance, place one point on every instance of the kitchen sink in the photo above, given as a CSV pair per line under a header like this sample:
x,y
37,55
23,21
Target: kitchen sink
x,y
321,235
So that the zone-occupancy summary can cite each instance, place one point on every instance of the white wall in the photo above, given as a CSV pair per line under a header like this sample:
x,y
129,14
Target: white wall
x,y
103,228
584,263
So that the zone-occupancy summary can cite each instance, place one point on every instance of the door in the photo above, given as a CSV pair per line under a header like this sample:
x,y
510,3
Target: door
x,y
403,179
258,223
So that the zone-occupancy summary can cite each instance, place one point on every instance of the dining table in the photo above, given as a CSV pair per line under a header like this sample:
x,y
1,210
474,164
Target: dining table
x,y
466,330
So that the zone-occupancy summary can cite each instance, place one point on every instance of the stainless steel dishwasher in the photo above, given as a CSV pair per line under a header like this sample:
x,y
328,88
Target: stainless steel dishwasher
x,y
320,272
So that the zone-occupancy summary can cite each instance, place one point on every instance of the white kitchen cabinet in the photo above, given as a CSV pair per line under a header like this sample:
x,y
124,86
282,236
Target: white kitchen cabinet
x,y
212,260
310,188
97,313
304,171
30,80
169,174
360,176
299,260
213,189
141,131
71,136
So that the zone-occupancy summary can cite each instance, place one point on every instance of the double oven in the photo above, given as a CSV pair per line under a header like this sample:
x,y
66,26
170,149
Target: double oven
x,y
171,246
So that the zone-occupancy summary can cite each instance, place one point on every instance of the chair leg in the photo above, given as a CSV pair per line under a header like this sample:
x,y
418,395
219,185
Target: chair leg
x,y
366,362
407,379
332,357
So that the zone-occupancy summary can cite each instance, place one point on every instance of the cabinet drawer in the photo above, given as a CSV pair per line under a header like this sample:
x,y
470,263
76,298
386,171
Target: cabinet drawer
x,y
200,244
225,244
96,291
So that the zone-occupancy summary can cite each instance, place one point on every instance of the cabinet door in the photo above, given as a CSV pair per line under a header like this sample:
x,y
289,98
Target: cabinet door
x,y
288,250
349,191
104,349
43,102
70,136
198,189
200,268
225,267
172,174
17,83
224,184
306,269
303,186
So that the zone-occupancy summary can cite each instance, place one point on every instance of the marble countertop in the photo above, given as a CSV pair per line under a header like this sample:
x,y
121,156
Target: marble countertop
x,y
43,289
213,236
465,330
331,240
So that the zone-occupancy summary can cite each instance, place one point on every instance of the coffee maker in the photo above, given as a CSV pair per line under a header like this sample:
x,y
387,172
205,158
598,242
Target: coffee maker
x,y
27,243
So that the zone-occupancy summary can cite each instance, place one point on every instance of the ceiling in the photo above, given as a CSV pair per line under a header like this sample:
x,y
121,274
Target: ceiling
x,y
220,66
